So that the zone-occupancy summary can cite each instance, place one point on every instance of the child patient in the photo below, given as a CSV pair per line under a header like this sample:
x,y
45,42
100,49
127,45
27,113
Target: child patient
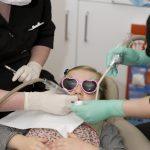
x,y
82,82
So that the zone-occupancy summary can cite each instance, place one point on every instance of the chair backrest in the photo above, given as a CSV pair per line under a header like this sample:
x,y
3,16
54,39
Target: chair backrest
x,y
132,137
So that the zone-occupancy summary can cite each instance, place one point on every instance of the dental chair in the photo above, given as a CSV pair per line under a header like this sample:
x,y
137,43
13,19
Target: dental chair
x,y
133,138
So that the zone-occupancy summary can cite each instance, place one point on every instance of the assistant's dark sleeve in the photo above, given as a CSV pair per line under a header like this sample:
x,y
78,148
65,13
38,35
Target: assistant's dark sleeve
x,y
110,139
6,133
46,32
148,36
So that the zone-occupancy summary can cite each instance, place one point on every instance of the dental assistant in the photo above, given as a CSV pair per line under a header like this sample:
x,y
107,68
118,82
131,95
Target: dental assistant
x,y
95,111
26,35
26,39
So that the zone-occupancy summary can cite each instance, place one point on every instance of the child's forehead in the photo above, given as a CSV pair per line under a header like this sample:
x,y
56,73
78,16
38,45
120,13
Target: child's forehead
x,y
82,74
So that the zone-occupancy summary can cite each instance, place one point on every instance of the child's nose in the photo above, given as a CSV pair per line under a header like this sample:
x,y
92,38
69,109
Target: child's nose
x,y
78,89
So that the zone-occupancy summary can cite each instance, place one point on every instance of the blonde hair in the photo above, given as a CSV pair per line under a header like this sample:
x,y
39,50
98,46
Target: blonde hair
x,y
98,74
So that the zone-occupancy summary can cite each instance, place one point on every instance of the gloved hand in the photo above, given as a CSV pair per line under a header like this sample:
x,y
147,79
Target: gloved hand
x,y
52,103
129,57
28,72
16,2
97,110
140,2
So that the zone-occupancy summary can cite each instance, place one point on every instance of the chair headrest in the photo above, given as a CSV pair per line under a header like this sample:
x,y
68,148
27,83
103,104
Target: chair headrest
x,y
111,89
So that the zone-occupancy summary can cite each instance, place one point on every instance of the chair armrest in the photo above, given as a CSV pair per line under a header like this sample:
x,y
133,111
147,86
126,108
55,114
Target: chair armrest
x,y
133,138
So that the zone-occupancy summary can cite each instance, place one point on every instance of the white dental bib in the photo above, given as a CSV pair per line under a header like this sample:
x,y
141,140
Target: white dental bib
x,y
16,2
39,119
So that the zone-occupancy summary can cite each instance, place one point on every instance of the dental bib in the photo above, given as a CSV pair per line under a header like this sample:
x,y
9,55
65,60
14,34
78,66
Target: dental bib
x,y
39,119
16,2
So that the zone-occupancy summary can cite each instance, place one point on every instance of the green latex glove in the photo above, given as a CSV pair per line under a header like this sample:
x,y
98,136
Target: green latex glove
x,y
129,57
97,110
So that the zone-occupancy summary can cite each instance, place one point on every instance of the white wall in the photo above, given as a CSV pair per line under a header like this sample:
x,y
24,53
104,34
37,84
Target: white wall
x,y
55,61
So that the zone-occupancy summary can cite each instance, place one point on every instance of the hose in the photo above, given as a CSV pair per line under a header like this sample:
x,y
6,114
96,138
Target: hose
x,y
4,99
49,85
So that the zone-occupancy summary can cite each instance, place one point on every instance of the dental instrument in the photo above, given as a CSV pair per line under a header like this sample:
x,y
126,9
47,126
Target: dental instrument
x,y
9,68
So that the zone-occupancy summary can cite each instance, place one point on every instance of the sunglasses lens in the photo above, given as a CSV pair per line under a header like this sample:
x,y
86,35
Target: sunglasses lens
x,y
89,86
69,84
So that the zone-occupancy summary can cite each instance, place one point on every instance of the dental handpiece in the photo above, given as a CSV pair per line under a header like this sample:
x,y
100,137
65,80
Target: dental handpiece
x,y
9,68
117,59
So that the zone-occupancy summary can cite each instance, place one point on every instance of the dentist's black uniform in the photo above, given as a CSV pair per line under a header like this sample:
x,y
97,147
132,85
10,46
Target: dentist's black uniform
x,y
28,26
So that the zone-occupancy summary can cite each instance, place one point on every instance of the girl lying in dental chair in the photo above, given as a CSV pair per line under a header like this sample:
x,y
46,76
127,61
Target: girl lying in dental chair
x,y
82,82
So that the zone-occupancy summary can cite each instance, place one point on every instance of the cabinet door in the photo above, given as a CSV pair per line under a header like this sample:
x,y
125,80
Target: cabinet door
x,y
102,26
63,55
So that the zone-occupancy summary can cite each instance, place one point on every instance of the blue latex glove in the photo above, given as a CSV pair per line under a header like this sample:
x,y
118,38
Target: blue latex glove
x,y
97,110
129,57
140,2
